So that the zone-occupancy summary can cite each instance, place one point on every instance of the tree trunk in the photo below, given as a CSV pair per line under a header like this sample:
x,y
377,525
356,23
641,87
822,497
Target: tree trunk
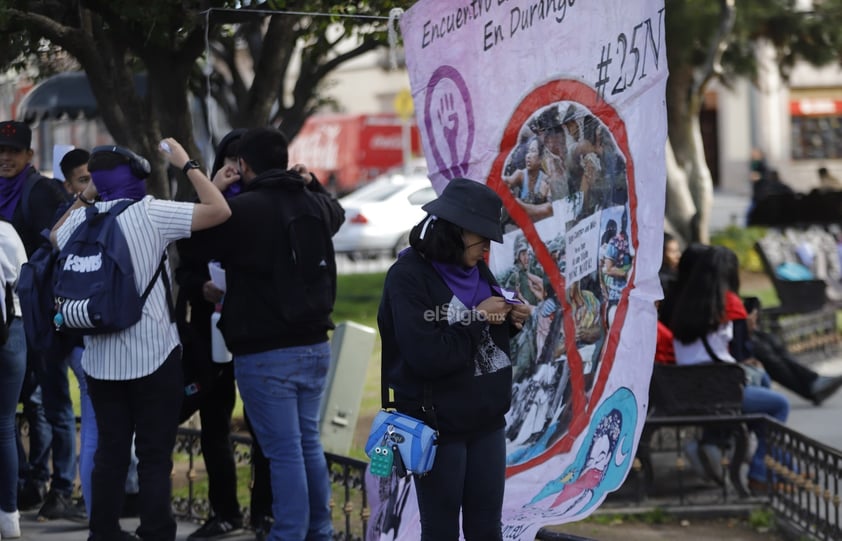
x,y
685,138
680,207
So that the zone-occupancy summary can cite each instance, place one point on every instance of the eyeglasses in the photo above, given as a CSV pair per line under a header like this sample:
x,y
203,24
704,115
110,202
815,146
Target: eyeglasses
x,y
468,246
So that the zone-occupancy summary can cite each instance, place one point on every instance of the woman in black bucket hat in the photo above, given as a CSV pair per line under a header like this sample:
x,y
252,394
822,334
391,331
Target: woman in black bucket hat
x,y
445,325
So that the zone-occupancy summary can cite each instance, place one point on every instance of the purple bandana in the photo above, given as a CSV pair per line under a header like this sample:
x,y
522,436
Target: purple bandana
x,y
233,189
465,282
118,183
10,191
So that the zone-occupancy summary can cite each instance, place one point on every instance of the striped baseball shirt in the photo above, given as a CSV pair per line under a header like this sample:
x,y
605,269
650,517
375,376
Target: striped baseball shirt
x,y
149,226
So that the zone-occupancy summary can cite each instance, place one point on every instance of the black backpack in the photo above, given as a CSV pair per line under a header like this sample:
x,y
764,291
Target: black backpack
x,y
305,265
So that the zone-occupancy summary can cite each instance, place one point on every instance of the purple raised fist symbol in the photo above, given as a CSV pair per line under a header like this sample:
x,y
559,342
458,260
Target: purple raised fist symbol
x,y
448,106
449,120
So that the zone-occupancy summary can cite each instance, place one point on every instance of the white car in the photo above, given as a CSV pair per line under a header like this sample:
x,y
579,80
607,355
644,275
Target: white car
x,y
379,215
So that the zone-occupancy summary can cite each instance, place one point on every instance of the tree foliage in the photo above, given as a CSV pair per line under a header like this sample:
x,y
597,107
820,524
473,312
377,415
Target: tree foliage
x,y
721,41
114,39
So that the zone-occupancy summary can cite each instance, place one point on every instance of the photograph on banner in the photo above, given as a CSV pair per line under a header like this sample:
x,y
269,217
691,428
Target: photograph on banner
x,y
567,158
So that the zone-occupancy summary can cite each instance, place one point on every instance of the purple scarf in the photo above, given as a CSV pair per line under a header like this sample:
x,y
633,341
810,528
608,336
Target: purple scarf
x,y
233,189
118,183
10,191
466,283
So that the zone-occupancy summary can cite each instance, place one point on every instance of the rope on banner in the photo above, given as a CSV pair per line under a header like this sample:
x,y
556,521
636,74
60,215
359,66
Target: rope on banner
x,y
299,13
394,16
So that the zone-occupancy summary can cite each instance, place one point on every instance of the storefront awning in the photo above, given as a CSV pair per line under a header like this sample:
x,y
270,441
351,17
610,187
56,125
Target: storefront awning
x,y
64,95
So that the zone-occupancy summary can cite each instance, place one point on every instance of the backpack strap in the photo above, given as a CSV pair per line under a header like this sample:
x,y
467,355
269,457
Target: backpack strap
x,y
161,271
28,185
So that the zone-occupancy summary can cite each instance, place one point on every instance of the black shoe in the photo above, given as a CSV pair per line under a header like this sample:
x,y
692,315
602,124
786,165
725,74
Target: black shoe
x,y
823,387
122,536
59,506
261,526
216,528
31,495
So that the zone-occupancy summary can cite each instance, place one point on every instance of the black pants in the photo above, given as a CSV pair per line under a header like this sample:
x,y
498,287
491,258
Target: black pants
x,y
215,409
771,351
261,490
467,476
147,407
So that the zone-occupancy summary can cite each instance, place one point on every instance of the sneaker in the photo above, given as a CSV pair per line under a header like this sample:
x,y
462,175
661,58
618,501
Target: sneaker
x,y
31,495
215,528
9,525
58,506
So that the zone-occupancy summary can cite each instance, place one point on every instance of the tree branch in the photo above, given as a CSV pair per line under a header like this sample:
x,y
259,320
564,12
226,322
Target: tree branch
x,y
713,61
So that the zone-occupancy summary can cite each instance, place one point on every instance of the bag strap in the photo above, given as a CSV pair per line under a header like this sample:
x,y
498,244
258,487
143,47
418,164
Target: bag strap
x,y
709,349
161,271
426,405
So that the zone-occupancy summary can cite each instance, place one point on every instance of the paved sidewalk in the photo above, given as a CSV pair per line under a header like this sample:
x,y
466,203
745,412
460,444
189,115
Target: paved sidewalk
x,y
64,530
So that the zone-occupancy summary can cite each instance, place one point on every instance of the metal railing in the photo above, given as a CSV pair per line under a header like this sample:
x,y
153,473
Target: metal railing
x,y
804,486
804,482
663,475
349,503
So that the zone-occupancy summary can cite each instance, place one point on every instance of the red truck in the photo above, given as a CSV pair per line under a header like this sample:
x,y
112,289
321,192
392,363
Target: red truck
x,y
346,151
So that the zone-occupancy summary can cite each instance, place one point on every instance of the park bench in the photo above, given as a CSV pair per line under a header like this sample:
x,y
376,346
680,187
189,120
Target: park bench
x,y
806,316
686,399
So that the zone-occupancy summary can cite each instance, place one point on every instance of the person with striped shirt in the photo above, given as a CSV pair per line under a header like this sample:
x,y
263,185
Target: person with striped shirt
x,y
134,376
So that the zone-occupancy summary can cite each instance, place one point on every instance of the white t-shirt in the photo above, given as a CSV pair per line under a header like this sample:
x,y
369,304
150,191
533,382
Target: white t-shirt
x,y
695,352
12,256
149,226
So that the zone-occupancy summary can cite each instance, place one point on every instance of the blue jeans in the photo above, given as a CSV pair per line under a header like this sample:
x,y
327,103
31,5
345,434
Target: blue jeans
x,y
762,400
467,476
88,431
12,371
282,392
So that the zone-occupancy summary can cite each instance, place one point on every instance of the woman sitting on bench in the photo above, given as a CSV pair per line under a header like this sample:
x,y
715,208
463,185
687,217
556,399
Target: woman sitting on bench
x,y
696,313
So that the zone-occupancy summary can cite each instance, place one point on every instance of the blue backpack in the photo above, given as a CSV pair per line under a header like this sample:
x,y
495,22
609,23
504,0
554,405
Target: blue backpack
x,y
37,303
93,277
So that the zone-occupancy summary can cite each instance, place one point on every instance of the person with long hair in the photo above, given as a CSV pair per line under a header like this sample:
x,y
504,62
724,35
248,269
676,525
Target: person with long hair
x,y
445,326
703,333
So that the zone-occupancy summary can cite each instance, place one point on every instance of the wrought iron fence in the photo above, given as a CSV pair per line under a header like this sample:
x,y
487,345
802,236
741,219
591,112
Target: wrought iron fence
x,y
349,503
804,486
665,473
803,482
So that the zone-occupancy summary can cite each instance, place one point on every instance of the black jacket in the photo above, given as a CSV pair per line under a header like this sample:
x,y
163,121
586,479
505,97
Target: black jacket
x,y
37,211
251,320
420,348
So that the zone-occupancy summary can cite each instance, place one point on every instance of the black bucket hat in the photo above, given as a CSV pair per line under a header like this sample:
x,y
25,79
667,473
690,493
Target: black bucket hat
x,y
472,206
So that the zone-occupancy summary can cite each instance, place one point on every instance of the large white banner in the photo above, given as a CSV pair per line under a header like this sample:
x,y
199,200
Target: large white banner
x,y
559,107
